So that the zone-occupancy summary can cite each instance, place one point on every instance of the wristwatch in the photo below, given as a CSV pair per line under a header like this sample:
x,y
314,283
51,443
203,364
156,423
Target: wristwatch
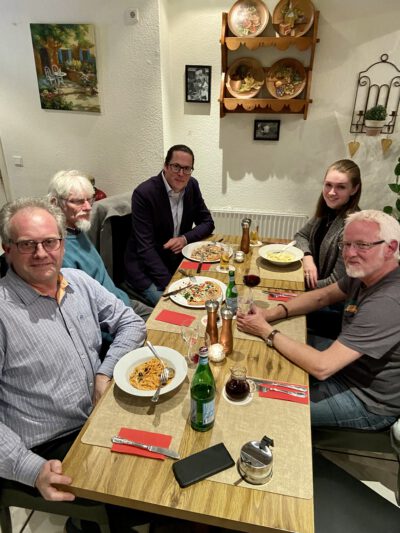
x,y
270,338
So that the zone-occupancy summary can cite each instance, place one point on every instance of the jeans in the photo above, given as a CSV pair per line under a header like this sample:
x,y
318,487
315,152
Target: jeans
x,y
334,404
152,294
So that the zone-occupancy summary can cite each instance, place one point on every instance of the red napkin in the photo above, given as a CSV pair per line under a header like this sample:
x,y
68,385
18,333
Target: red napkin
x,y
192,265
280,296
172,317
275,395
144,437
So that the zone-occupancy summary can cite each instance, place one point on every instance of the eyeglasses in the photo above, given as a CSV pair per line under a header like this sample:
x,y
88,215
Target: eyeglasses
x,y
358,245
80,201
177,168
30,247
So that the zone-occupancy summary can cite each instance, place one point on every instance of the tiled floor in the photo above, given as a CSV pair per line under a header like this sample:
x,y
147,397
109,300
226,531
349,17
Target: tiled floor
x,y
378,474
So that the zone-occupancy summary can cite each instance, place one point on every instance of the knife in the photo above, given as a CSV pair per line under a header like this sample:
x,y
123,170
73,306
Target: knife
x,y
170,293
156,449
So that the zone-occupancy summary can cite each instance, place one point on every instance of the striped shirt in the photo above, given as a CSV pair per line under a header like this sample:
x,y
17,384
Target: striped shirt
x,y
49,357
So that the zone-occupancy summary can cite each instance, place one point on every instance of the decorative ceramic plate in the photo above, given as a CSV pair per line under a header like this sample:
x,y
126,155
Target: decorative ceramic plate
x,y
293,18
181,300
129,361
245,78
286,79
288,257
248,18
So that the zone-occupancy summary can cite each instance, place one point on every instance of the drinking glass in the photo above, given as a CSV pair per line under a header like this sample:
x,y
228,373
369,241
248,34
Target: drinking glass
x,y
244,303
226,254
251,279
190,335
254,237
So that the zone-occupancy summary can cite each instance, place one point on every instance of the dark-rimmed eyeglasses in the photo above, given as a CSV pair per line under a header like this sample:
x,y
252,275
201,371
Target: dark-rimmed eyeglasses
x,y
30,247
80,201
177,168
360,246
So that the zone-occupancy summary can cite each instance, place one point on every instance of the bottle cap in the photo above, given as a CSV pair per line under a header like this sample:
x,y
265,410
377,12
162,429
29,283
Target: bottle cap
x,y
203,351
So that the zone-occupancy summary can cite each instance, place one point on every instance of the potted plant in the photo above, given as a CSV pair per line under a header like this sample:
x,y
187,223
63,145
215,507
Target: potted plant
x,y
395,187
374,119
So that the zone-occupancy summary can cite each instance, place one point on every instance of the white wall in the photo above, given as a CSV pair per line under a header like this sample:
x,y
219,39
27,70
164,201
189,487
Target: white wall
x,y
144,109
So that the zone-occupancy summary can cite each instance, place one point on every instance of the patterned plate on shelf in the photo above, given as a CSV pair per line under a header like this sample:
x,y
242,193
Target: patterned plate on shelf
x,y
286,79
248,18
245,78
293,18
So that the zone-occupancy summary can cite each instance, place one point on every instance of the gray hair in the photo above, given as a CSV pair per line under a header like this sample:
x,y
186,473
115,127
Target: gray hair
x,y
389,228
66,181
12,208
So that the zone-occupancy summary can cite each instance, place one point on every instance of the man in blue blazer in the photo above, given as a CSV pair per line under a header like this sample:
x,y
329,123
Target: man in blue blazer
x,y
168,212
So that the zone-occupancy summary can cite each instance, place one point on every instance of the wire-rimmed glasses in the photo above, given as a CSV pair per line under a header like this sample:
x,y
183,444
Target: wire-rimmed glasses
x,y
30,247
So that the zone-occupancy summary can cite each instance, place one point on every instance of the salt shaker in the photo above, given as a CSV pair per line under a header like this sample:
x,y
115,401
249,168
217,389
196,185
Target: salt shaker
x,y
212,328
245,242
226,332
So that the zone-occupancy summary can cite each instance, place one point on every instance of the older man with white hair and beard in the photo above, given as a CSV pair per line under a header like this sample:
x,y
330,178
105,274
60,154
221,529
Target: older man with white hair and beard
x,y
72,191
356,379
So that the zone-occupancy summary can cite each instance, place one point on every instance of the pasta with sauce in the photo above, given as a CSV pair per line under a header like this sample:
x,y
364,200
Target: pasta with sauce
x,y
146,376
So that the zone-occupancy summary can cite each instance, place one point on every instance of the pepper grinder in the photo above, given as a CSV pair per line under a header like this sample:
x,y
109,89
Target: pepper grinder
x,y
226,332
212,328
245,242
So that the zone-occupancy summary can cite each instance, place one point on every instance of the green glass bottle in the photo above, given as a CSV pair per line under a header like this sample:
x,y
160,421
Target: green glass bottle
x,y
231,297
202,394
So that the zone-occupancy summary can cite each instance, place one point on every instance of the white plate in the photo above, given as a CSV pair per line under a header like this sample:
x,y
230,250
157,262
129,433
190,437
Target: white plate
x,y
129,361
188,249
181,300
296,252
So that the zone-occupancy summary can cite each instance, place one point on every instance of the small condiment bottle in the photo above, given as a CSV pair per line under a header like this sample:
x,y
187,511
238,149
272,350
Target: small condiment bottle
x,y
226,338
245,242
212,312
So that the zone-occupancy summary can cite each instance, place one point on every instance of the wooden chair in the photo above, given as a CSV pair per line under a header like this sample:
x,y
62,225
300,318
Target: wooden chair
x,y
375,444
18,495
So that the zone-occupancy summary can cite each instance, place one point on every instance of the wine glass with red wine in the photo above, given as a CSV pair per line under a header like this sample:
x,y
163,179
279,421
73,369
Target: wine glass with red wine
x,y
252,279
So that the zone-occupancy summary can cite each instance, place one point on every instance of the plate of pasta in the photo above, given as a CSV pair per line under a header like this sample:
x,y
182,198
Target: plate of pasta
x,y
138,372
273,254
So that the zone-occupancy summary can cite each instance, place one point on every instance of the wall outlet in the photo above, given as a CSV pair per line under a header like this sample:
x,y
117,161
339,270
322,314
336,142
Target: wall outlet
x,y
131,15
18,161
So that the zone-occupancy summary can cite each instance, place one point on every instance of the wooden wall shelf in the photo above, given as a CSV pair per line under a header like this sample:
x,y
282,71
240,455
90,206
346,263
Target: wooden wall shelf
x,y
299,105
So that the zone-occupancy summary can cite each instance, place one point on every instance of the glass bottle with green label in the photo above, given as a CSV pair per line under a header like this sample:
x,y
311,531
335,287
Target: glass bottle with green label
x,y
202,394
231,297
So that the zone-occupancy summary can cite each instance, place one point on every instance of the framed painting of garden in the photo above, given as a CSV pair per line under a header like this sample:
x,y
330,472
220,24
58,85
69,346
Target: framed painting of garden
x,y
65,61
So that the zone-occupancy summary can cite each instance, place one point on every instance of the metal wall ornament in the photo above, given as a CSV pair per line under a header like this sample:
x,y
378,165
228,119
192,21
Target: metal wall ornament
x,y
379,84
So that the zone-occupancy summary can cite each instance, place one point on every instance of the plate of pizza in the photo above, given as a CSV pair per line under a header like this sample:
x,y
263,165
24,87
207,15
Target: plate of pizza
x,y
203,251
197,293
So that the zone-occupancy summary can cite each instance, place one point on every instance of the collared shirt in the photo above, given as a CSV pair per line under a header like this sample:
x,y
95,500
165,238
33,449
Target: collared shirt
x,y
176,201
49,358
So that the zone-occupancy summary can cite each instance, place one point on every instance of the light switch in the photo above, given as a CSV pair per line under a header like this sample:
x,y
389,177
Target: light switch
x,y
18,161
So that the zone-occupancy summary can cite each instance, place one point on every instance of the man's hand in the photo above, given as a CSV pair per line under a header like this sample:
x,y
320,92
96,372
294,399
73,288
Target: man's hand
x,y
101,385
254,323
175,245
310,272
50,474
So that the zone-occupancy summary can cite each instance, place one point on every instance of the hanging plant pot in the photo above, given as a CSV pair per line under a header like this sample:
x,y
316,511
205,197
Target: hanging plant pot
x,y
373,127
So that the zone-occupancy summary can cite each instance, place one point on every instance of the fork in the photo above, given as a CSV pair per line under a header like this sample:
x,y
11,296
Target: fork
x,y
289,392
184,273
163,381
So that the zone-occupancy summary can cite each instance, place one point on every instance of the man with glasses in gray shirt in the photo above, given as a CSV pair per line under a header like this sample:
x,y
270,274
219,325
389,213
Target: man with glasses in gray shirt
x,y
51,321
168,212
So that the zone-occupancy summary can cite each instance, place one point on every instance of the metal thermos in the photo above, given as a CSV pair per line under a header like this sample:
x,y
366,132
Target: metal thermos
x,y
226,332
212,312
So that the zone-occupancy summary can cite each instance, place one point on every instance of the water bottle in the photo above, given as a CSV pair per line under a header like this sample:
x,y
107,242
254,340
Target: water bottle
x,y
231,296
202,394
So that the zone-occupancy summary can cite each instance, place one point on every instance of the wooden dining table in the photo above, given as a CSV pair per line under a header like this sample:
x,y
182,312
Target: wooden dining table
x,y
149,485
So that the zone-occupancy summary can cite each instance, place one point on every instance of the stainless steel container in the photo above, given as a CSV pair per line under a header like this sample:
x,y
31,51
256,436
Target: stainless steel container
x,y
256,460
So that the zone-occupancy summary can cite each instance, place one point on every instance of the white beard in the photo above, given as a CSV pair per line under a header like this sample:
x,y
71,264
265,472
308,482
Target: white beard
x,y
83,224
355,271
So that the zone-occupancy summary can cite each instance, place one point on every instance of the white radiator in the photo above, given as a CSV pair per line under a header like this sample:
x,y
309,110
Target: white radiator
x,y
275,225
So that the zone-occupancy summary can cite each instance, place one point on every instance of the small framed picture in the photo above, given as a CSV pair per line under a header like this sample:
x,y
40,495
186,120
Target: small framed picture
x,y
198,83
266,130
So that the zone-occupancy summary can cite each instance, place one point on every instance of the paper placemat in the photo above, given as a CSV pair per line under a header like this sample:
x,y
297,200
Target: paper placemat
x,y
287,424
272,272
167,304
119,409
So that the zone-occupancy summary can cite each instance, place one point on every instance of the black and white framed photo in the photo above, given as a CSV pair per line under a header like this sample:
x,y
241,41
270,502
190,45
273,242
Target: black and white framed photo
x,y
198,83
266,130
